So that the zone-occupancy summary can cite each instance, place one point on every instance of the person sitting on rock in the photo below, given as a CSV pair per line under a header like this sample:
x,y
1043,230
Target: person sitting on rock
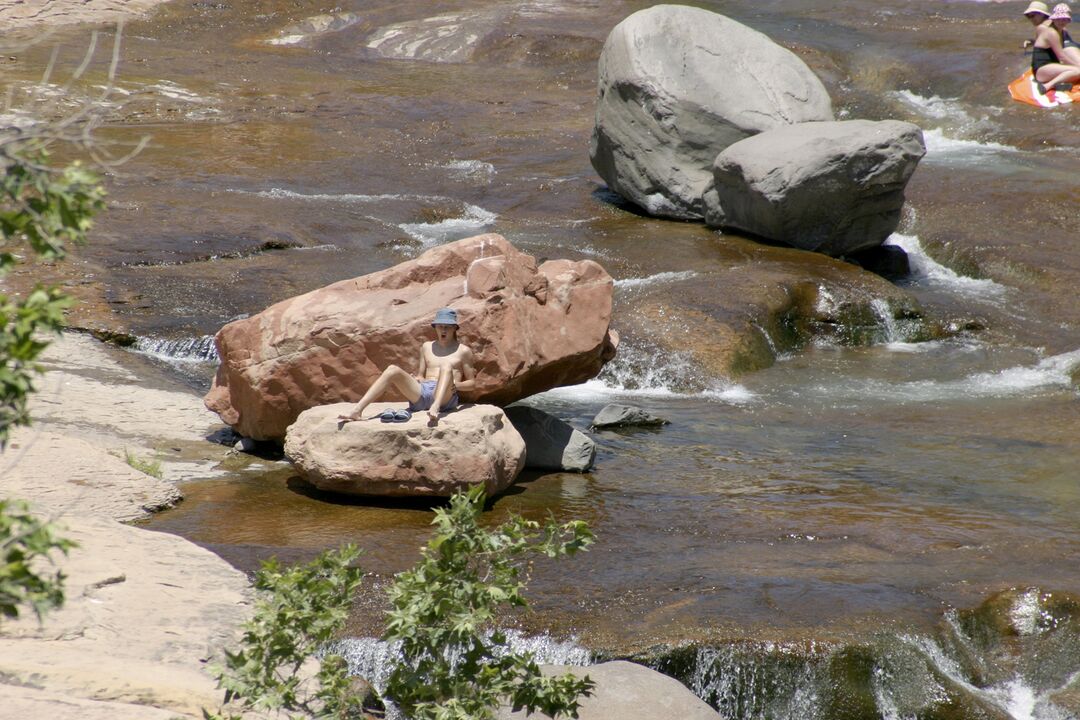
x,y
446,366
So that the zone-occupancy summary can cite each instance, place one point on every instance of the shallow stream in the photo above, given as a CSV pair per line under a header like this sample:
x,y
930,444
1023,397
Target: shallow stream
x,y
832,516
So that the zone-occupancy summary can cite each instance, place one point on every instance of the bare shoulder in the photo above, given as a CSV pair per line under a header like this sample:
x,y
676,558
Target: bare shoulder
x,y
466,352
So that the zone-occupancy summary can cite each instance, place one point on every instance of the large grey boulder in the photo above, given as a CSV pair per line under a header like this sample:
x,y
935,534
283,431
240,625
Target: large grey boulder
x,y
833,187
679,84
550,443
472,445
627,691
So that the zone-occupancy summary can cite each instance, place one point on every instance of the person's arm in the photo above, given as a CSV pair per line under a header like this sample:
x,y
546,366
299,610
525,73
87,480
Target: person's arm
x,y
468,373
421,367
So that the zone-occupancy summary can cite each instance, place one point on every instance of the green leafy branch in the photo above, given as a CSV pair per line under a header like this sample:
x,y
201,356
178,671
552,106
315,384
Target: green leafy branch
x,y
453,668
26,542
298,611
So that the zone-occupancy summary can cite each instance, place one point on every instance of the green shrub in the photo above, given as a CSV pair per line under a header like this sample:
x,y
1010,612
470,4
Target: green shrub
x,y
298,610
25,542
43,208
454,668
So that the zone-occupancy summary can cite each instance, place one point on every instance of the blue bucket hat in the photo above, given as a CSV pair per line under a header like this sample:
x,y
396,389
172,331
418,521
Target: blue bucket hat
x,y
445,316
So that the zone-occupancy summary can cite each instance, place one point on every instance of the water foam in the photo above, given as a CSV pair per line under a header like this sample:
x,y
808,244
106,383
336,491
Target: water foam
x,y
641,372
657,279
374,659
927,271
940,145
183,351
470,169
935,106
1052,373
283,194
474,219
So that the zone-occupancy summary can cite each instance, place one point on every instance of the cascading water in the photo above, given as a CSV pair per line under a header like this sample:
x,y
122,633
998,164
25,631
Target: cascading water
x,y
184,350
1016,657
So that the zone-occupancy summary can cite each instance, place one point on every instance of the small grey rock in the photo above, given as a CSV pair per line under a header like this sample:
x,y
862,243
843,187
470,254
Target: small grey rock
x,y
550,443
245,445
624,415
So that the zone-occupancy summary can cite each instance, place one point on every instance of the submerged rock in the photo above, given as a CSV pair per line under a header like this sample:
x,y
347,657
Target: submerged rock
x,y
615,415
627,690
532,328
475,444
696,333
550,443
679,84
830,187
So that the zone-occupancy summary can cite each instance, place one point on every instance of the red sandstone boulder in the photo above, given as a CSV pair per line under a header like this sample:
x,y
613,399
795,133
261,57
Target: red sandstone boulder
x,y
530,328
475,444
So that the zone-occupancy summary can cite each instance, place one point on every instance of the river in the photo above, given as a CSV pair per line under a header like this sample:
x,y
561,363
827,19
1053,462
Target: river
x,y
896,516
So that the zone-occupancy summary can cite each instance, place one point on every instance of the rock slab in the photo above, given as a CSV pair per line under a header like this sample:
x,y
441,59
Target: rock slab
x,y
475,444
550,443
679,84
626,691
531,328
831,187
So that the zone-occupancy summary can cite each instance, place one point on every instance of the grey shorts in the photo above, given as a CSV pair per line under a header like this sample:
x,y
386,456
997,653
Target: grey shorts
x,y
427,397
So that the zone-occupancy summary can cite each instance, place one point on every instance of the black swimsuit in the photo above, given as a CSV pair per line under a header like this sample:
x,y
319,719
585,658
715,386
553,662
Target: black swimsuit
x,y
1040,57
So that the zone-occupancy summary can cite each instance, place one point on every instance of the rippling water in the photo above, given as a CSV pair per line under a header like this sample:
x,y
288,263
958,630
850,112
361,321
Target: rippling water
x,y
840,493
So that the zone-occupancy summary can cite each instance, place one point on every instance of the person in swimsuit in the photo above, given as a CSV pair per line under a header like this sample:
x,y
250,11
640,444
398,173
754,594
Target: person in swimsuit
x,y
1069,47
445,367
1048,57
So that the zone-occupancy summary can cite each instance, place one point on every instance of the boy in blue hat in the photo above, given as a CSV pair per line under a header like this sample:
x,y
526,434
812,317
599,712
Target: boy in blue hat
x,y
446,366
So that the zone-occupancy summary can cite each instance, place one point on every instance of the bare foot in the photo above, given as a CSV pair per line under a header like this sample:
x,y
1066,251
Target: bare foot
x,y
351,417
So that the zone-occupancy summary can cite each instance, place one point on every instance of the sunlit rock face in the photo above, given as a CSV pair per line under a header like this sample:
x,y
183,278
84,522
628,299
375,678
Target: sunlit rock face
x,y
532,327
831,187
679,84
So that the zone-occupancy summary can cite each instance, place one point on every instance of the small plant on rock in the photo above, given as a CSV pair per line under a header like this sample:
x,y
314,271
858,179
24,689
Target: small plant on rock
x,y
454,667
147,466
298,611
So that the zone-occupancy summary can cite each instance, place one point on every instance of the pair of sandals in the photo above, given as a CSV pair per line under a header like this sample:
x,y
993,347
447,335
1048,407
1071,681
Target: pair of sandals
x,y
399,416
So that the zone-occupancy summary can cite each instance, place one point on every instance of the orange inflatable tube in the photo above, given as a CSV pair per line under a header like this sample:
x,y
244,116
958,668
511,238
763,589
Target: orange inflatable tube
x,y
1023,90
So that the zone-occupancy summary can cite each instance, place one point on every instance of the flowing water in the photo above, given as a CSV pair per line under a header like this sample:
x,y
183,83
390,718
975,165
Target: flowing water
x,y
851,532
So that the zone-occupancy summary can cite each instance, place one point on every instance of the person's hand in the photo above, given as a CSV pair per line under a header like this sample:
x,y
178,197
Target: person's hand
x,y
1027,44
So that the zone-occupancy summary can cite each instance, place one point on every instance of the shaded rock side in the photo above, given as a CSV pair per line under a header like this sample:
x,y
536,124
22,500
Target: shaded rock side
x,y
831,187
679,84
550,443
627,690
531,328
475,444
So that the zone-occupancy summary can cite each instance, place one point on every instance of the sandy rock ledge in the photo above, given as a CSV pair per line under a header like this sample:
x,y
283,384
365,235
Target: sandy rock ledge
x,y
144,610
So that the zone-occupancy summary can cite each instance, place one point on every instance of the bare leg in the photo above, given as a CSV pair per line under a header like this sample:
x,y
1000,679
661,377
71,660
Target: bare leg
x,y
443,388
1054,73
392,376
